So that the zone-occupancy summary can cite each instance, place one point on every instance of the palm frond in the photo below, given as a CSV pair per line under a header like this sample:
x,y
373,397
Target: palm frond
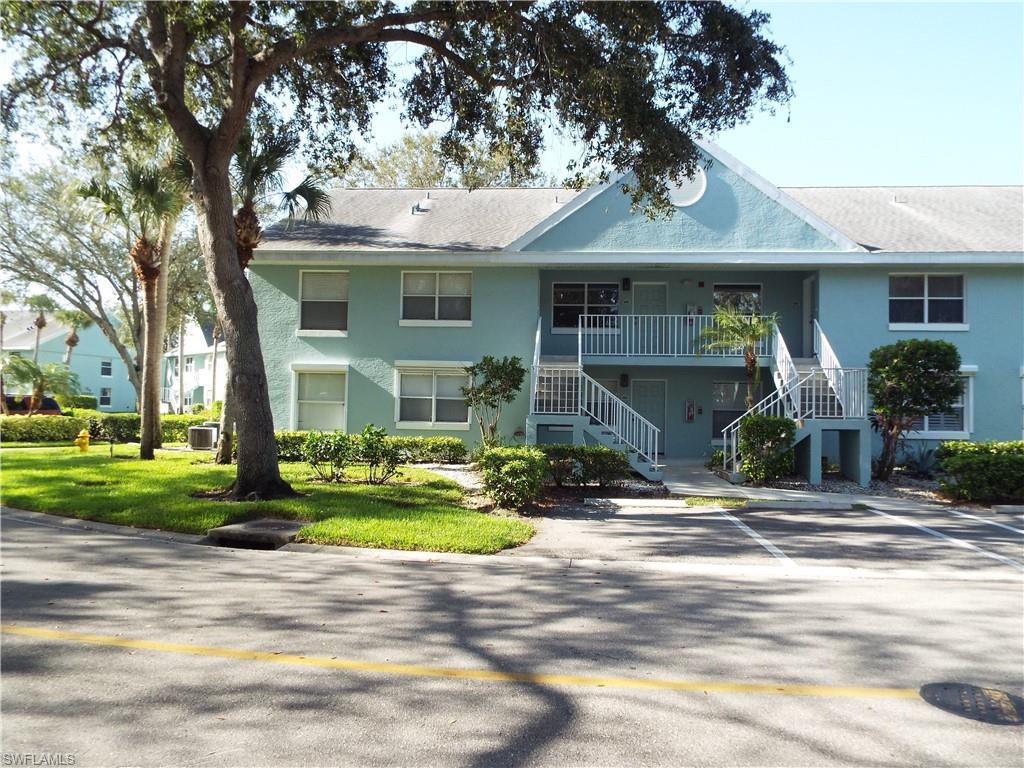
x,y
314,198
259,161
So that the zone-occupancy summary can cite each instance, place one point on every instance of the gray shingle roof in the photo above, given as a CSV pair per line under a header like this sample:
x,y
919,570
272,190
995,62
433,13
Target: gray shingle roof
x,y
460,220
908,219
896,219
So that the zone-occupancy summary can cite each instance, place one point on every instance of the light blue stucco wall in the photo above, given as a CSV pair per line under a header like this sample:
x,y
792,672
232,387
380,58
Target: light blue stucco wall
x,y
732,215
92,349
504,323
854,315
782,294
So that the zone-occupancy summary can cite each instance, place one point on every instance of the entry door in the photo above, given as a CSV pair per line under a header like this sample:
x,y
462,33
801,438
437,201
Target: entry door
x,y
810,314
649,400
650,336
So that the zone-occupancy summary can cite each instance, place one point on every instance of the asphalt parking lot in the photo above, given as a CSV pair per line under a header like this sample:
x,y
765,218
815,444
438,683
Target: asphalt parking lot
x,y
900,537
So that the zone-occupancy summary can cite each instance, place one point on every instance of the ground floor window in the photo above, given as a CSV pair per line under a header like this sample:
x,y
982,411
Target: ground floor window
x,y
432,398
106,395
728,403
320,402
956,422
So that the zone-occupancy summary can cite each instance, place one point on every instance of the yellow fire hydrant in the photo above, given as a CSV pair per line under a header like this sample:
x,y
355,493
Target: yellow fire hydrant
x,y
82,441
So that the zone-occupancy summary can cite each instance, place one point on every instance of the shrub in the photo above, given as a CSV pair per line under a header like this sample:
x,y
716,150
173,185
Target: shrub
x,y
289,445
716,460
216,409
40,429
601,465
197,409
381,456
766,447
984,471
513,477
77,401
562,462
115,427
328,453
441,449
174,426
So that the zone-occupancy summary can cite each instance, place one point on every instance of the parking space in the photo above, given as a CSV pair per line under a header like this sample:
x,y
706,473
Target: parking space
x,y
898,538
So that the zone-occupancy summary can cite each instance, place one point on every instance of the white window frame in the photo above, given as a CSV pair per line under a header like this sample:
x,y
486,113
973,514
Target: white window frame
x,y
109,363
714,289
110,397
435,323
297,368
586,305
299,330
190,364
435,368
926,326
967,372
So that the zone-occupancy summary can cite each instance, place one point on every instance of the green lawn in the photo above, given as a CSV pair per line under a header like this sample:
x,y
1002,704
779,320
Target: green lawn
x,y
422,511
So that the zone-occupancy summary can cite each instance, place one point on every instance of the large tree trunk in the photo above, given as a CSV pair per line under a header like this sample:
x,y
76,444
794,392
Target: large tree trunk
x,y
258,475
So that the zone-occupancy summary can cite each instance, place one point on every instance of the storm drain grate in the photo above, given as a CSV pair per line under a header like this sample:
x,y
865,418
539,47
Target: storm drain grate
x,y
986,705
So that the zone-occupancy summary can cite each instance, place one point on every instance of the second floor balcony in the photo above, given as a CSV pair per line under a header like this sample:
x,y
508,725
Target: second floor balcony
x,y
657,339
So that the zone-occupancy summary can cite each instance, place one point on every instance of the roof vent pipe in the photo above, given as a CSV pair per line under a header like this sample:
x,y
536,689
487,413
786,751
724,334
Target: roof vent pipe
x,y
423,206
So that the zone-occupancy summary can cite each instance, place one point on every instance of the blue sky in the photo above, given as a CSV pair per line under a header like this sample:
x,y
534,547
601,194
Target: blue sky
x,y
886,93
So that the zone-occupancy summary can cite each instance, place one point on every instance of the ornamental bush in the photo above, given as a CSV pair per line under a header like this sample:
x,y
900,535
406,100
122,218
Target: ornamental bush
x,y
987,472
562,463
766,447
115,427
289,445
513,477
380,455
174,426
40,429
441,449
77,401
601,465
328,453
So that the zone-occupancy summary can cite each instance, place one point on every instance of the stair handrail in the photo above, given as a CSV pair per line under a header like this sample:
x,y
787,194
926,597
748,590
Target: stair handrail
x,y
779,403
535,368
620,418
829,363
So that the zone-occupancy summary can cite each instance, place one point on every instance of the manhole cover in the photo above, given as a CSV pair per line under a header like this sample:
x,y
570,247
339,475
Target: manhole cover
x,y
986,705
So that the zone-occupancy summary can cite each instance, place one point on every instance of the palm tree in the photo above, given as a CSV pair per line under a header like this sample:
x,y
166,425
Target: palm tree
x,y
48,379
144,200
732,331
256,177
74,320
40,304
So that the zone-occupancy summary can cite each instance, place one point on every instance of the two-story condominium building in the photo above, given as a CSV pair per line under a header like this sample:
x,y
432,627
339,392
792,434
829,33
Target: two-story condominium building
x,y
100,370
372,315
200,376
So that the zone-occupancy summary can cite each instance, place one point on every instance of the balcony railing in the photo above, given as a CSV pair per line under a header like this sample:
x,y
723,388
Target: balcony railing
x,y
654,336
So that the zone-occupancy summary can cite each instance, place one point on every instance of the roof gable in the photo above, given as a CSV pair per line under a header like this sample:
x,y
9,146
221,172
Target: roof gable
x,y
739,211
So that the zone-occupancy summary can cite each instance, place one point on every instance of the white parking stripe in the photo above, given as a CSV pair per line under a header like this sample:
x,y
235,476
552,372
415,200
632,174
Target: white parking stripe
x,y
757,537
1010,528
950,539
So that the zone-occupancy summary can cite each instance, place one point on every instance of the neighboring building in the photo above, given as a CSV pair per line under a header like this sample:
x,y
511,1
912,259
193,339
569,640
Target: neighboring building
x,y
94,360
372,315
203,382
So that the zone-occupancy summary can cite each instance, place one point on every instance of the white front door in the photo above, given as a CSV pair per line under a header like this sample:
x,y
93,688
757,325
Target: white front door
x,y
649,399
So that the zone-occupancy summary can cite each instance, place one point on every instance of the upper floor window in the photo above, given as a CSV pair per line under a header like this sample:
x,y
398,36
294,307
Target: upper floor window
x,y
106,367
745,298
105,395
926,299
190,364
437,297
324,301
570,300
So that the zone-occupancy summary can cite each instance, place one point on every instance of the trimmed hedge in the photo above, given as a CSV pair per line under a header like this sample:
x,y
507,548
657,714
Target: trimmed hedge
x,y
289,445
40,429
414,450
513,477
991,471
77,401
584,464
766,447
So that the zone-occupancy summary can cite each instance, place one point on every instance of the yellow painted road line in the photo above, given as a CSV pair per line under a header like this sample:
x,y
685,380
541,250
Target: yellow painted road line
x,y
410,670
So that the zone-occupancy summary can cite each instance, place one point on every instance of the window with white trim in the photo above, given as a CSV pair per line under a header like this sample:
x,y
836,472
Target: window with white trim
x,y
745,298
432,397
320,401
926,299
437,296
106,395
570,300
106,367
323,297
190,364
955,421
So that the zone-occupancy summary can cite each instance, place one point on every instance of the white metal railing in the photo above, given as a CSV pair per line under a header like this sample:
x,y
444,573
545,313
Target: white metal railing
x,y
566,390
784,365
165,394
849,384
653,336
536,364
627,425
778,403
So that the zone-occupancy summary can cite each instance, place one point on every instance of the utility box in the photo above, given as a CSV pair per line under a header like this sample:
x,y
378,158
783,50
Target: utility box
x,y
202,438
